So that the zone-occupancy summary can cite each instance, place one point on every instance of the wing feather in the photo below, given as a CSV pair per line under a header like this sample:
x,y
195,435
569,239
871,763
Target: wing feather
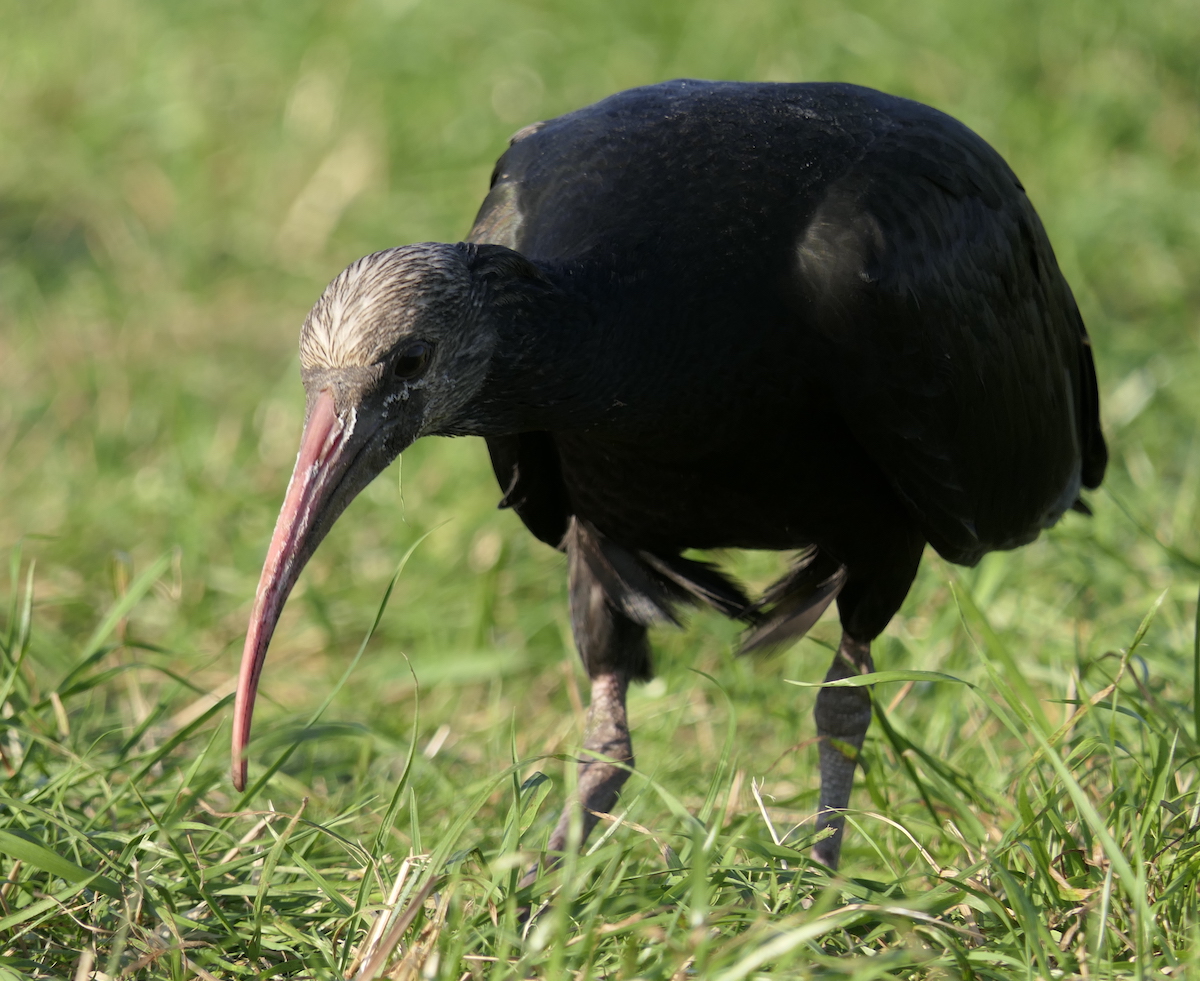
x,y
961,361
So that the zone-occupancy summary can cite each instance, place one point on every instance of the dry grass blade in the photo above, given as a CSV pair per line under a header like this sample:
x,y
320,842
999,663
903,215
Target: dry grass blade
x,y
189,713
421,959
367,948
372,967
606,928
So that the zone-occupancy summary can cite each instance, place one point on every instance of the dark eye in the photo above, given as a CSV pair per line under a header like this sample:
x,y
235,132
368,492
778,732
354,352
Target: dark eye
x,y
412,360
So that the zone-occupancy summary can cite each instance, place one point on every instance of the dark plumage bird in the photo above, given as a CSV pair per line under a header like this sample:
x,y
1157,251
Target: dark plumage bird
x,y
711,315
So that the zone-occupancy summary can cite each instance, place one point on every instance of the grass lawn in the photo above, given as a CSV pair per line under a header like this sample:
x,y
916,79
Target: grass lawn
x,y
177,184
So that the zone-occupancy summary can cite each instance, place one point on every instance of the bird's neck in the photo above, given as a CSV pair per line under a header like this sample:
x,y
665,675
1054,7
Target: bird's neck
x,y
552,366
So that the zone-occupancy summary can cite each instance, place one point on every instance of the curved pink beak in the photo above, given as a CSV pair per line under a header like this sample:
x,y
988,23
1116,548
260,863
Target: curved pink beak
x,y
320,466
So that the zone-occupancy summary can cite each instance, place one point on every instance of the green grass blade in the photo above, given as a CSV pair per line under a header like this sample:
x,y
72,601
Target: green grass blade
x,y
93,648
38,855
268,869
1196,673
973,617
783,942
881,678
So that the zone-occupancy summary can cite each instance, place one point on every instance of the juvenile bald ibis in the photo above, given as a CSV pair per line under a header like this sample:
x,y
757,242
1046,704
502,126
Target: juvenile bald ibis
x,y
704,315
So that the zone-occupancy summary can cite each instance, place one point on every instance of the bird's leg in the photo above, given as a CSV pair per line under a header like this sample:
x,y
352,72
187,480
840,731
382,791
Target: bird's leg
x,y
606,738
614,650
842,715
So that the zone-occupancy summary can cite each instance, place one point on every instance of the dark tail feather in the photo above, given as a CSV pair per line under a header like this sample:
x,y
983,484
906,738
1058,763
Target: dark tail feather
x,y
789,608
631,588
646,587
703,582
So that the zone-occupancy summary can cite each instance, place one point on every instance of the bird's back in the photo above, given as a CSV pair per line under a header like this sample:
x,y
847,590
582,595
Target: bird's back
x,y
766,257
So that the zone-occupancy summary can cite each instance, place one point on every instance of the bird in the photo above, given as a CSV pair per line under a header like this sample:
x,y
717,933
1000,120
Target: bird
x,y
696,315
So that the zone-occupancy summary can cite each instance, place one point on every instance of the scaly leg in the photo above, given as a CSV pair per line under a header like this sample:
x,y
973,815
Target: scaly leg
x,y
600,782
614,650
842,715
607,736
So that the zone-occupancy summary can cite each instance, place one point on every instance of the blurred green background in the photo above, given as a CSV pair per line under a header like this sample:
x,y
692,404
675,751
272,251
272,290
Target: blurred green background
x,y
179,181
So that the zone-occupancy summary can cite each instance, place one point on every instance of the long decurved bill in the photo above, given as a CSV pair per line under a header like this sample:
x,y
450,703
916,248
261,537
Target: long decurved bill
x,y
320,467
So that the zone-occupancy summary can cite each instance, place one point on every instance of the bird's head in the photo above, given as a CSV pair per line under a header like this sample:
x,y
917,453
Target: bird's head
x,y
396,348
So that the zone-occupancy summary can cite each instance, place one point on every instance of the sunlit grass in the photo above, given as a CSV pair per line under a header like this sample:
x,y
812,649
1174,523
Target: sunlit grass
x,y
1009,845
178,184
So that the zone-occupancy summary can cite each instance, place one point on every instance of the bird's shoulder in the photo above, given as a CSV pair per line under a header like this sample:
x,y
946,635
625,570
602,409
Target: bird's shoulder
x,y
674,154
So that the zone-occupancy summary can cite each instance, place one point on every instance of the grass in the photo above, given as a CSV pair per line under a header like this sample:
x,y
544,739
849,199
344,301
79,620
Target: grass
x,y
178,183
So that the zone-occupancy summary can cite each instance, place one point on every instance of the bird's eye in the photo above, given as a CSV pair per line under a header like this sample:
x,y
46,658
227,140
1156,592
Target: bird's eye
x,y
412,360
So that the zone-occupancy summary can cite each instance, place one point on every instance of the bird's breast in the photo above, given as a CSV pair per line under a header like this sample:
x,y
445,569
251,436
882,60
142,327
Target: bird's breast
x,y
646,501
777,487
